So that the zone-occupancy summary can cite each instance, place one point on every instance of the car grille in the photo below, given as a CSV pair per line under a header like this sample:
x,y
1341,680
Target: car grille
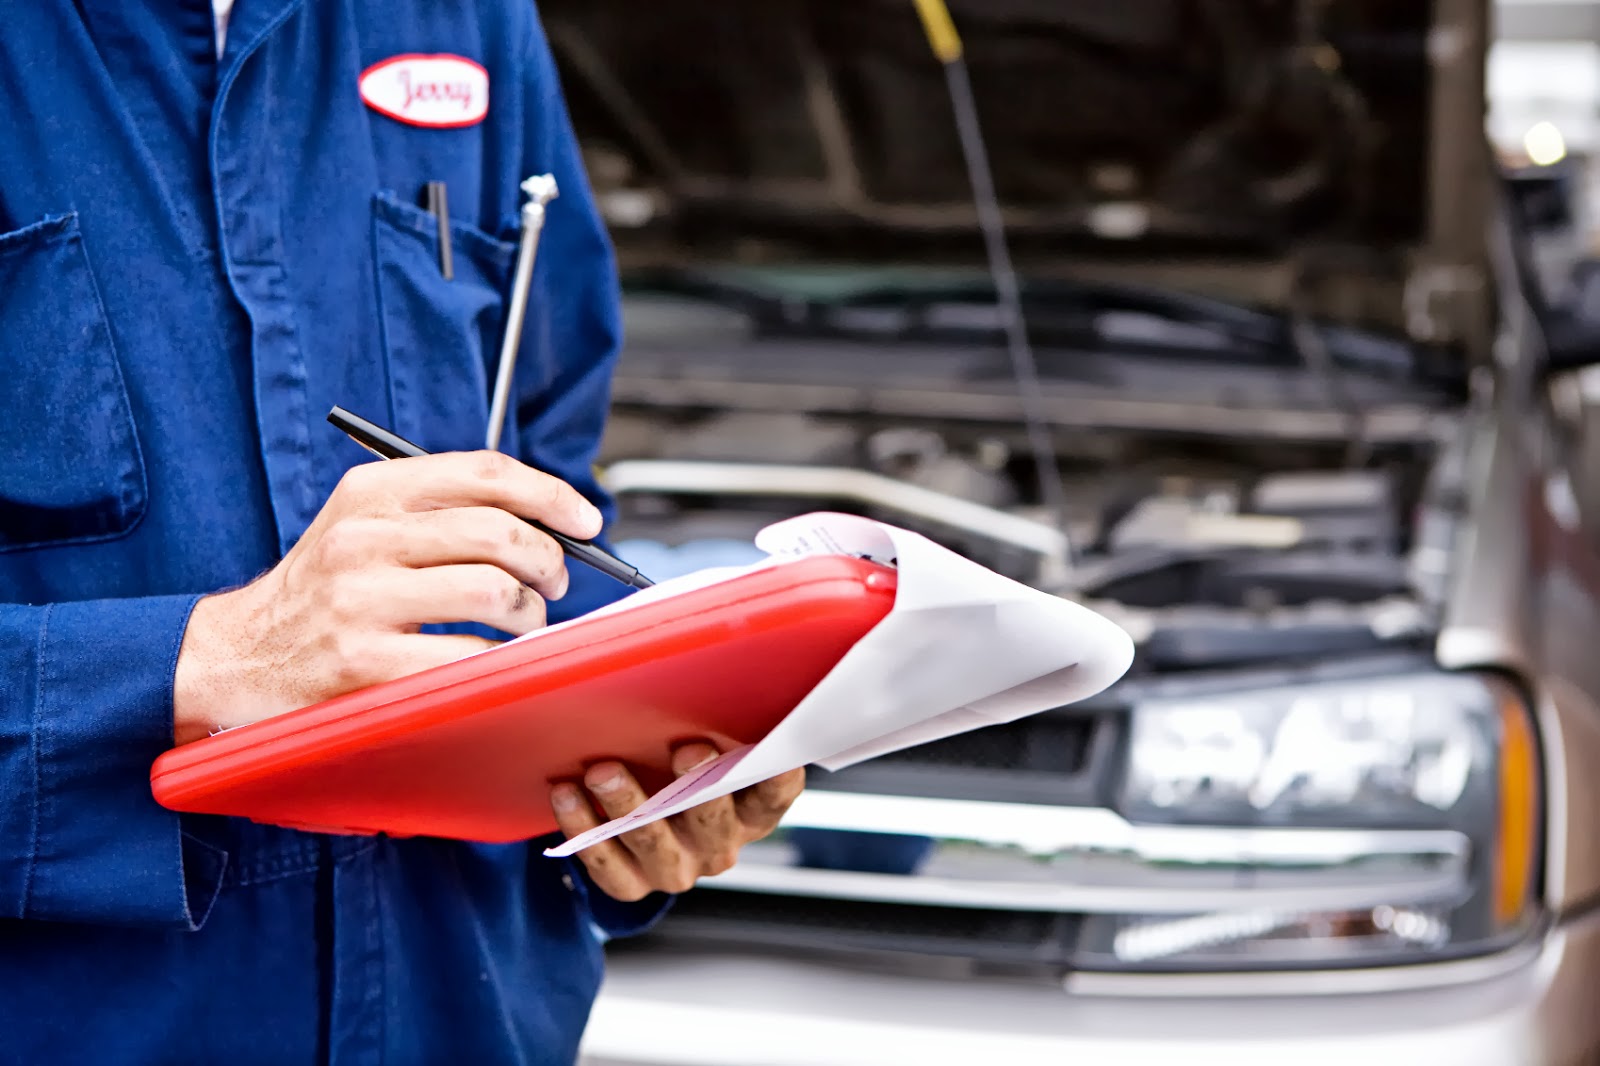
x,y
744,920
1055,745
1065,757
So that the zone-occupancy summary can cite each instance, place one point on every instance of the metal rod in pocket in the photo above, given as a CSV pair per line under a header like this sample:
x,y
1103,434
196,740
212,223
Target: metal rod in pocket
x,y
541,189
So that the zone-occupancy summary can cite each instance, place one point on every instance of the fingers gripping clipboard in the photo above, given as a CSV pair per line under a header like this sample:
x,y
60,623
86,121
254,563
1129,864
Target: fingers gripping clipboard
x,y
851,639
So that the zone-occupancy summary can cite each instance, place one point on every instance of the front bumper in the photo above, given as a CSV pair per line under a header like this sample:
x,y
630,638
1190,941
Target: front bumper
x,y
1539,1006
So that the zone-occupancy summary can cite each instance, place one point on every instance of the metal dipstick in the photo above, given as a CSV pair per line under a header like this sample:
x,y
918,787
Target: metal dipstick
x,y
540,190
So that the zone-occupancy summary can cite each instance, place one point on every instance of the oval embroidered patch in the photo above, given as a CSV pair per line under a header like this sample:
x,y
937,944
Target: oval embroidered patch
x,y
441,91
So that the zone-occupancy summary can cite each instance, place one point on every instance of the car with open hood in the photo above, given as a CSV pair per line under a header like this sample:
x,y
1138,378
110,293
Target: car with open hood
x,y
1278,391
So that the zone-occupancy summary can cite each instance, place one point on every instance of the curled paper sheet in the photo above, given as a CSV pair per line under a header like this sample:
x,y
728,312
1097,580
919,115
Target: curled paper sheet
x,y
961,648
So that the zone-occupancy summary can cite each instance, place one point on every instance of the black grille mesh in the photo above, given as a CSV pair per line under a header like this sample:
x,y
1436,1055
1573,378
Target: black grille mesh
x,y
1043,744
762,920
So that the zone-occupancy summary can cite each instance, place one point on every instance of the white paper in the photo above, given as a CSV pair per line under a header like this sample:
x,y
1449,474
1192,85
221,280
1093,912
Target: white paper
x,y
961,648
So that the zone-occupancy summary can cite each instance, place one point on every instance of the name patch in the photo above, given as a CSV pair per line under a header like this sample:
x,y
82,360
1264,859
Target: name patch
x,y
438,91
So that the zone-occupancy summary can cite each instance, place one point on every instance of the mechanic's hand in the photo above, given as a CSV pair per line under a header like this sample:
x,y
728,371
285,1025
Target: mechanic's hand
x,y
671,854
398,545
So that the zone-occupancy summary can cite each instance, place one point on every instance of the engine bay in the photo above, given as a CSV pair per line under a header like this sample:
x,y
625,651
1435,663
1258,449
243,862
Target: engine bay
x,y
1211,553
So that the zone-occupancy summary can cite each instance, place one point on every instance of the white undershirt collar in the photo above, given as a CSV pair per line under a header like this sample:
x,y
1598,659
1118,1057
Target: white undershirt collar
x,y
221,9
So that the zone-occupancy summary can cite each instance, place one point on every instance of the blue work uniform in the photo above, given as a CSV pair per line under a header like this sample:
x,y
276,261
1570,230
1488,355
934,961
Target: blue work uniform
x,y
199,256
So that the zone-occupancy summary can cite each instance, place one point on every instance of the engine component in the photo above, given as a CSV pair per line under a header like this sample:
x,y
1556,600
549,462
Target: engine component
x,y
1353,509
762,438
921,457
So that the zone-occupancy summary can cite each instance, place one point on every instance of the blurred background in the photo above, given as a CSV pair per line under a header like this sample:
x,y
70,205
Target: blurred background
x,y
1262,326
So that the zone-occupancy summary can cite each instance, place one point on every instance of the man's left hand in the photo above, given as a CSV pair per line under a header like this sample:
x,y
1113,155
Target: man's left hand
x,y
669,855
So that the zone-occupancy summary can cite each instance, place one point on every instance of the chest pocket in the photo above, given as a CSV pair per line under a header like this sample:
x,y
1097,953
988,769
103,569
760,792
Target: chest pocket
x,y
70,466
440,335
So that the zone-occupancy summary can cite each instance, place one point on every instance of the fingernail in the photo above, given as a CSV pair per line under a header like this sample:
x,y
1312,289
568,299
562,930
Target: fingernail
x,y
589,515
565,798
561,584
691,758
606,781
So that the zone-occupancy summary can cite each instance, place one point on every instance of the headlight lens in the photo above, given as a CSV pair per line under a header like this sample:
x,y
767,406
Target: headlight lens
x,y
1391,751
1450,753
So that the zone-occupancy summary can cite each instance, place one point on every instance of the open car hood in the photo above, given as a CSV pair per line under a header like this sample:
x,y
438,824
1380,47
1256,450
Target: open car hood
x,y
1324,152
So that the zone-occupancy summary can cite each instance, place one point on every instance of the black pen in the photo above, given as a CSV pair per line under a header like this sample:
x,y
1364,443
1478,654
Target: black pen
x,y
439,207
387,445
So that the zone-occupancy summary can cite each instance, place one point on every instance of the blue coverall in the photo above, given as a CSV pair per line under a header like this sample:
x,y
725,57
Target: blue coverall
x,y
198,257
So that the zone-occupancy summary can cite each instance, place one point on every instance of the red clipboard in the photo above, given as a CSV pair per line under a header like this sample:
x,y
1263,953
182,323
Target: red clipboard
x,y
468,750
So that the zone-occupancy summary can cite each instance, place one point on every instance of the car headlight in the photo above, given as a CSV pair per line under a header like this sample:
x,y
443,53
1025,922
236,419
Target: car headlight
x,y
1427,782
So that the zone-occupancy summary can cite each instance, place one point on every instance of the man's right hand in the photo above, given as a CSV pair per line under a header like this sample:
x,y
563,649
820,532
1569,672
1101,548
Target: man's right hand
x,y
398,545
